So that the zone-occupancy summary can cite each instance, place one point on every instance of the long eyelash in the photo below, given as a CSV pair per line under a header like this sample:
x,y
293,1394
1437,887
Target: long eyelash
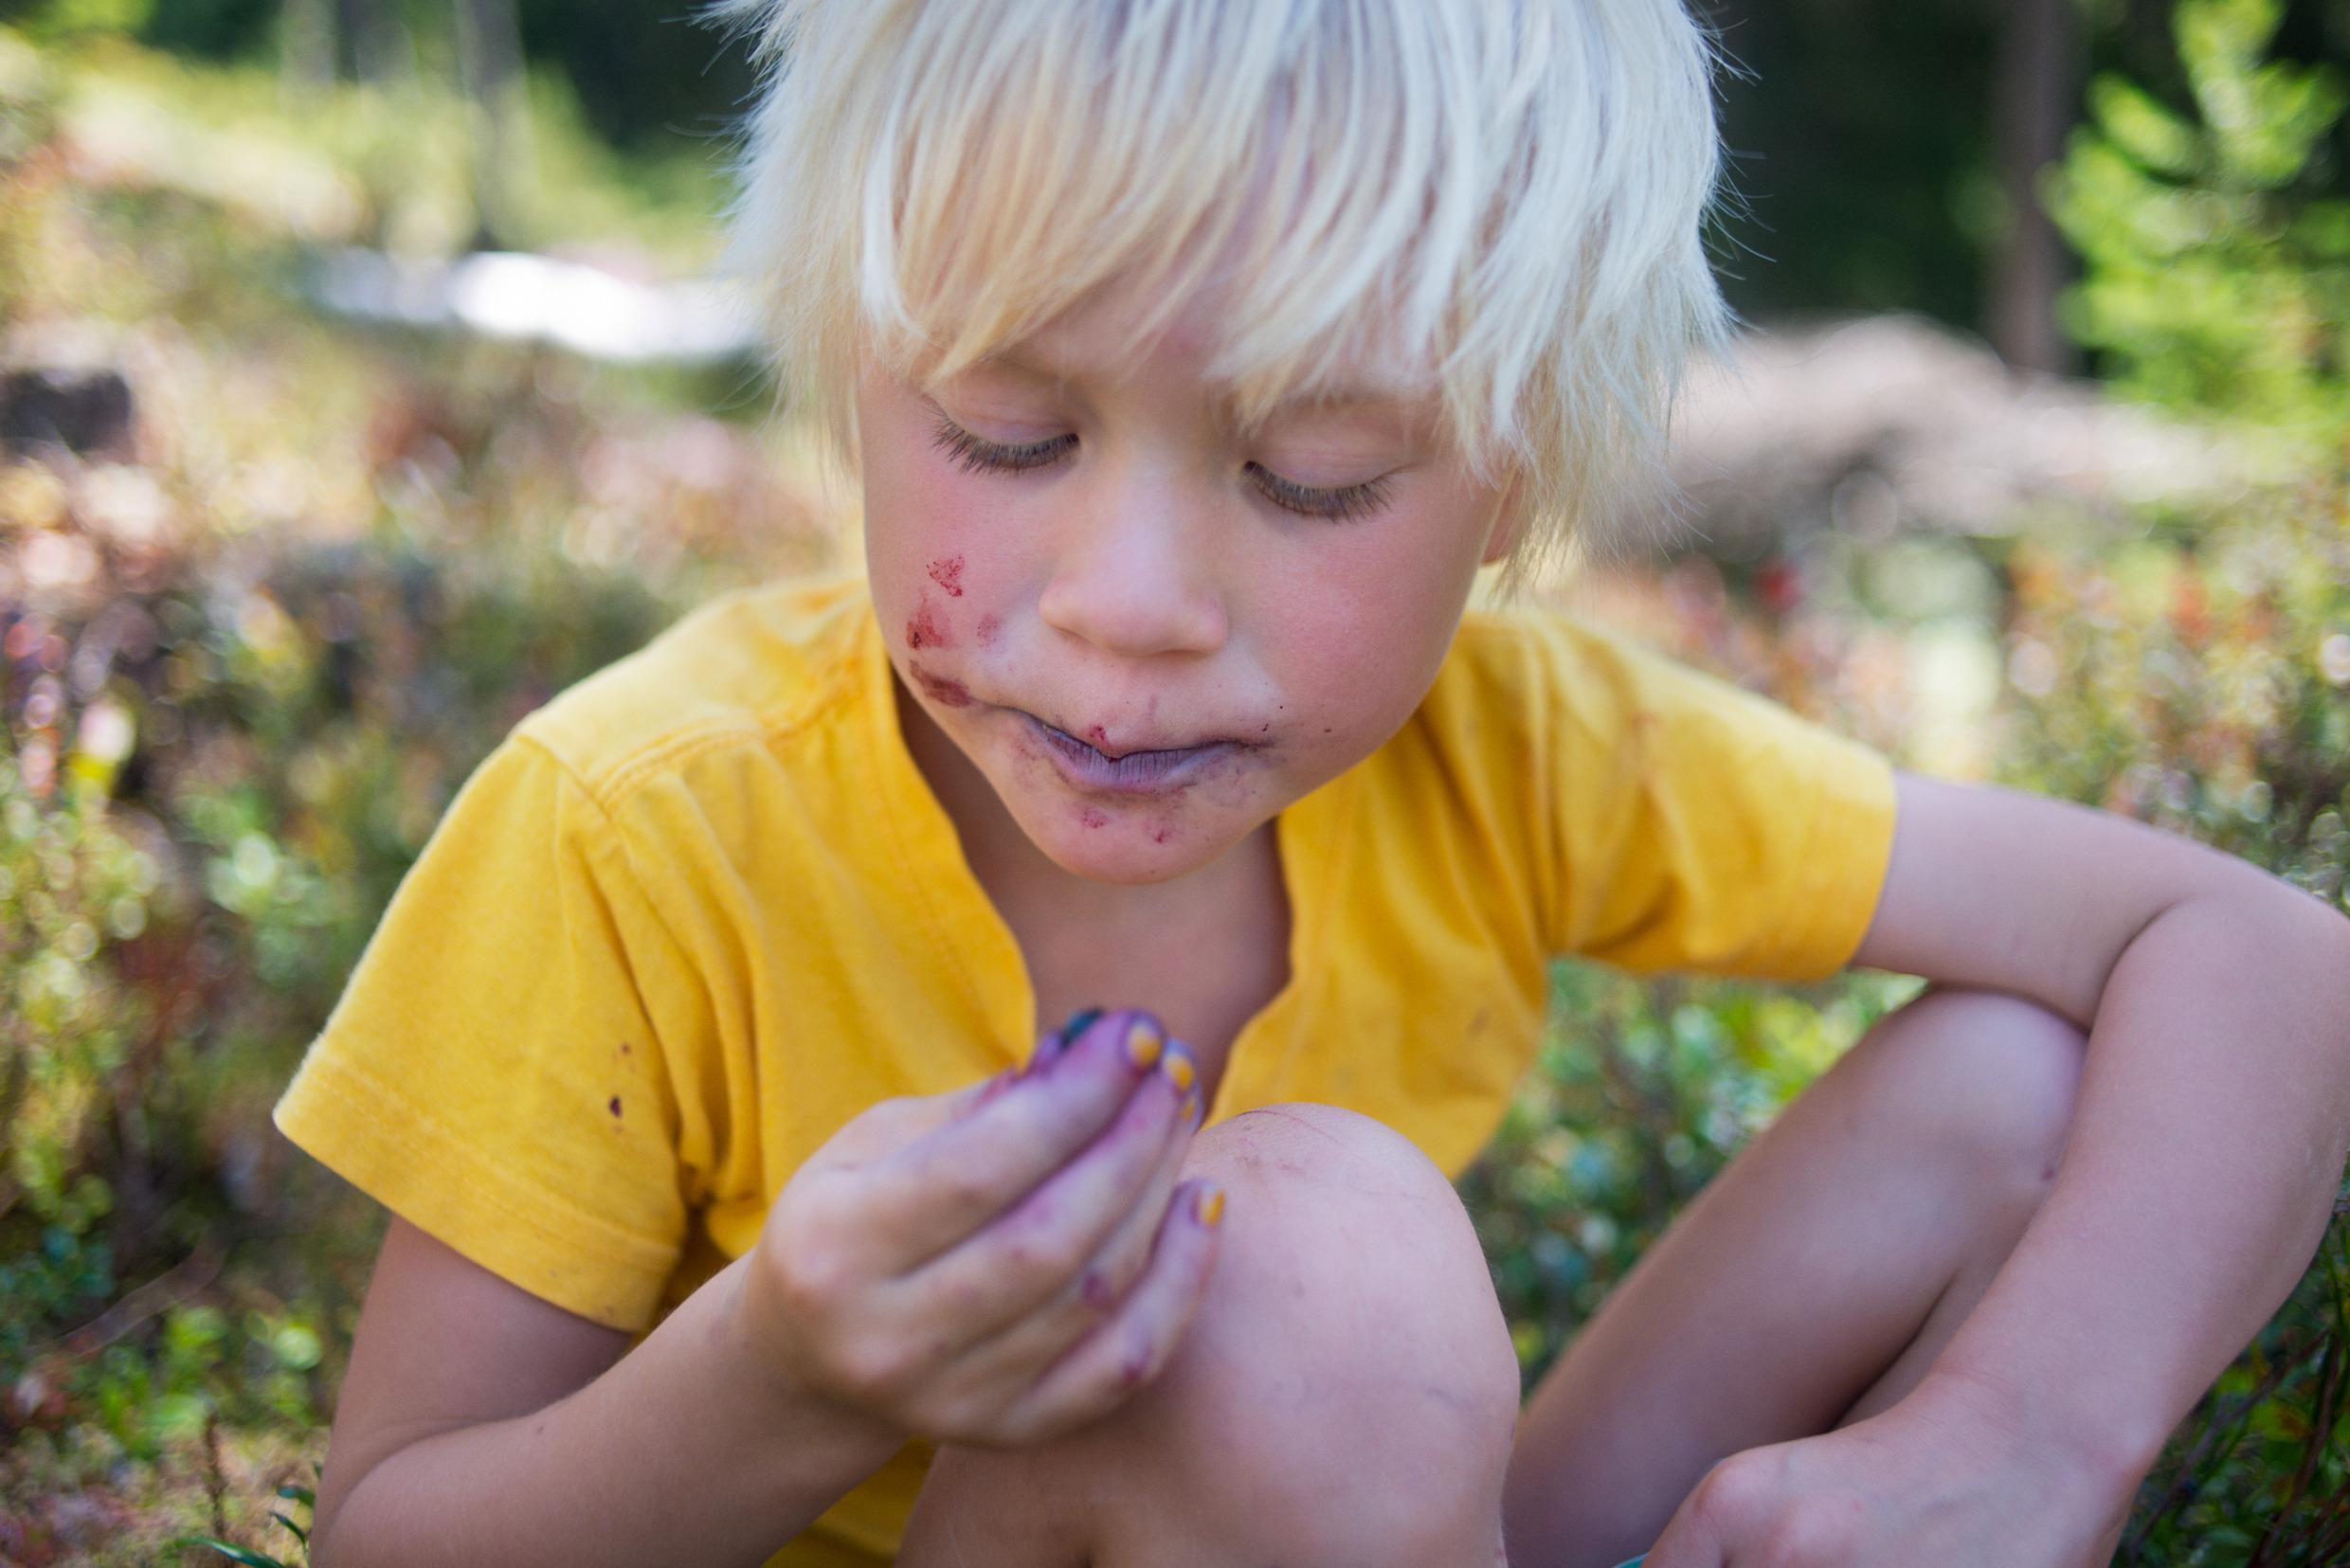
x,y
1335,504
977,455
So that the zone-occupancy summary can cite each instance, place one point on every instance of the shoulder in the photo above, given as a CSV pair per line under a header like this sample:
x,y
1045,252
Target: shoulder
x,y
1525,672
739,673
1596,683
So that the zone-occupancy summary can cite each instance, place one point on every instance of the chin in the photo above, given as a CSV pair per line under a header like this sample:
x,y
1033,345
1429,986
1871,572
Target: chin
x,y
1123,843
1124,835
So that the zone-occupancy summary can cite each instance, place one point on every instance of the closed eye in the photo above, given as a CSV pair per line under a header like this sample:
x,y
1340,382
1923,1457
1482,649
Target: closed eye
x,y
975,456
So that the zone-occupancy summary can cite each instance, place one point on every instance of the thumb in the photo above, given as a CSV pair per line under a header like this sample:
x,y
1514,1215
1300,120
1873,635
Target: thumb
x,y
887,1125
938,1110
1687,1543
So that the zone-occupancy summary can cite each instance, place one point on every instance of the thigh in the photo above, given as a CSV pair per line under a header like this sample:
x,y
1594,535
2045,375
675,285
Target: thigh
x,y
1784,1290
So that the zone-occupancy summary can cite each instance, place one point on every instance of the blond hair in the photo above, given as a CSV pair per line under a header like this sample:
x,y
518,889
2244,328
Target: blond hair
x,y
1508,193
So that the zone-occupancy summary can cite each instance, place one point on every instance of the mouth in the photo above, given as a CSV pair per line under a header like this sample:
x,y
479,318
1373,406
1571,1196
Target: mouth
x,y
1136,770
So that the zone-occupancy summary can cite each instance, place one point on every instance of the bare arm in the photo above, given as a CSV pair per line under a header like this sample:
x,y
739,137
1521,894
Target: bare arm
x,y
2213,1111
999,1263
480,1424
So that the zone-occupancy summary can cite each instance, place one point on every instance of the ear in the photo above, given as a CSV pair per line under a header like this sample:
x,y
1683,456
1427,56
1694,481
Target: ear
x,y
1509,522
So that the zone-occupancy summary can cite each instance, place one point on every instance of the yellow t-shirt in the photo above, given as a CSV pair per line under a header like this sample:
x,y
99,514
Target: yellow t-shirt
x,y
701,909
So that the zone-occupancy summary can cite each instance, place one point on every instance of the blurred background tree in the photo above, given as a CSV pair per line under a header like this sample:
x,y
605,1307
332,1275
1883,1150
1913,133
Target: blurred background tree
x,y
1887,154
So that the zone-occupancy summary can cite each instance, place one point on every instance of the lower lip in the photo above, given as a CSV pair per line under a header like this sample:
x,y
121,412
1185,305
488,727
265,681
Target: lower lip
x,y
1136,773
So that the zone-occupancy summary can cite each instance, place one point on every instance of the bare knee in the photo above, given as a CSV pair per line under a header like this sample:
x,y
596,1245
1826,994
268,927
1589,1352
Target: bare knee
x,y
1361,1266
1995,1075
1346,1392
1348,1385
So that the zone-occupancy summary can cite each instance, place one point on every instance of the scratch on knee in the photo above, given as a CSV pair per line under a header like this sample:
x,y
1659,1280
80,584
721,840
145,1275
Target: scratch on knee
x,y
1287,1116
1258,1155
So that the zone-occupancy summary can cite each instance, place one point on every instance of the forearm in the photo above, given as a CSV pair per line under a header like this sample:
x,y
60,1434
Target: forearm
x,y
684,1450
2208,1142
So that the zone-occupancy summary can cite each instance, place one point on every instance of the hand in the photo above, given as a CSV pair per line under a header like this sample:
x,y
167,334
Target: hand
x,y
999,1264
1935,1481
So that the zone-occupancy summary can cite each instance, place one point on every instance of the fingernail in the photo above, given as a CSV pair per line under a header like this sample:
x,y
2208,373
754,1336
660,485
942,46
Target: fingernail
x,y
1143,1042
1053,1043
1176,1064
1208,1207
1049,1045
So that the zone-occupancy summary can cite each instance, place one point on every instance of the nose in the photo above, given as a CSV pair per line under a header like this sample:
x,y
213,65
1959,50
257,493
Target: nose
x,y
1131,575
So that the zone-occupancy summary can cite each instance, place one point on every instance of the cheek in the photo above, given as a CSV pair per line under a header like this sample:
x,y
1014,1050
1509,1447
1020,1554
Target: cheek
x,y
925,547
917,527
1356,644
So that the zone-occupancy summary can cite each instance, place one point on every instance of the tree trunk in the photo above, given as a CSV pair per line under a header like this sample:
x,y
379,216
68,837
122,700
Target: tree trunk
x,y
306,45
2032,102
489,59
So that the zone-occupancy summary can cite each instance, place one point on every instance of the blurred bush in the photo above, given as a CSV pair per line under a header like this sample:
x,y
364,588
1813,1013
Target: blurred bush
x,y
264,606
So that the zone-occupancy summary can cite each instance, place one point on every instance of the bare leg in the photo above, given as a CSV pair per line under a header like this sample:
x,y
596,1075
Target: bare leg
x,y
1812,1283
1344,1397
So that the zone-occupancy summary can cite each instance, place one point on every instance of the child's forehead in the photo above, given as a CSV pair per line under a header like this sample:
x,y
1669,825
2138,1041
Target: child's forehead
x,y
1107,339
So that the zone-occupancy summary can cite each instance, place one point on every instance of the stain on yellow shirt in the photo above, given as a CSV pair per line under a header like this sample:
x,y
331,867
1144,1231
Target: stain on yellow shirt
x,y
701,909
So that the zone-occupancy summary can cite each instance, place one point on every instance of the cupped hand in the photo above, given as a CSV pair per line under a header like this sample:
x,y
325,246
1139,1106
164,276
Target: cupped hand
x,y
1000,1264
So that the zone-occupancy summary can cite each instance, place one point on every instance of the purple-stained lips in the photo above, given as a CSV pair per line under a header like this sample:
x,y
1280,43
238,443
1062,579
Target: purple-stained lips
x,y
1132,773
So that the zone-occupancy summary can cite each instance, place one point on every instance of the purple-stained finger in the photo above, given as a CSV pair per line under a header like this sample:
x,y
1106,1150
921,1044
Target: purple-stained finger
x,y
1133,1345
960,1175
1045,1271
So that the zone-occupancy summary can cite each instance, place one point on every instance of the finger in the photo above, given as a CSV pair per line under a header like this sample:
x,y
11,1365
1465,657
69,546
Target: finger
x,y
960,1175
1119,1261
1031,1283
1686,1544
883,1128
1134,1343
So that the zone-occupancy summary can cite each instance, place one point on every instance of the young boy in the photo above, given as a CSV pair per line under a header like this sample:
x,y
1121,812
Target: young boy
x,y
1194,355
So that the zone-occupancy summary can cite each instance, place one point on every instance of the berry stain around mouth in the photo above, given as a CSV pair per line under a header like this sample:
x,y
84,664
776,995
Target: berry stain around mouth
x,y
947,693
1136,772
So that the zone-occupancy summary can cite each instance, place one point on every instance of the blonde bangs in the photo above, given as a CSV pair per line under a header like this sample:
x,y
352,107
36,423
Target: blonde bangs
x,y
1496,201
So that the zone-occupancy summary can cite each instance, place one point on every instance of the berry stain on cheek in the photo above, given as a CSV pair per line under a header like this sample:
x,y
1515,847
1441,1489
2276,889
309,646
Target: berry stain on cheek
x,y
1092,818
947,571
926,628
988,626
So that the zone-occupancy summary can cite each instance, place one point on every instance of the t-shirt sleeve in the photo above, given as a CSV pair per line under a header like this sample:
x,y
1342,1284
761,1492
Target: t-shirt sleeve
x,y
1701,827
495,1070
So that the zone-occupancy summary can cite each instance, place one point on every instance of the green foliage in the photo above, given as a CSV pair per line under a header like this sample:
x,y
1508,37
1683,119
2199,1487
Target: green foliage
x,y
388,163
2217,265
241,672
303,1495
1642,1093
69,884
